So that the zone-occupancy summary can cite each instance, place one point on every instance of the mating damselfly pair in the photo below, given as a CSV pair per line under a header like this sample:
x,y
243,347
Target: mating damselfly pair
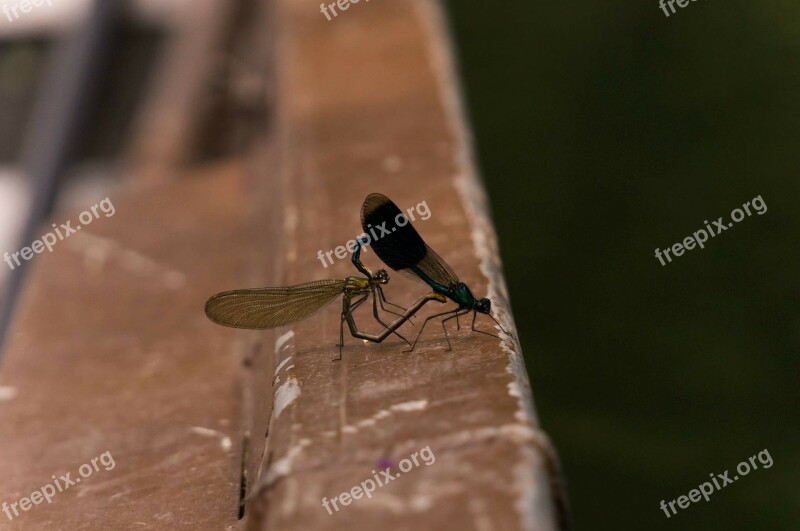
x,y
401,248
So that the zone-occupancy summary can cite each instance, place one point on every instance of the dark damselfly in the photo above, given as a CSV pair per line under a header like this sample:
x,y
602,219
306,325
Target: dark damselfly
x,y
400,246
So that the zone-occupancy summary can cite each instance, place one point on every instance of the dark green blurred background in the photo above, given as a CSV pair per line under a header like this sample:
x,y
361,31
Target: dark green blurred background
x,y
605,130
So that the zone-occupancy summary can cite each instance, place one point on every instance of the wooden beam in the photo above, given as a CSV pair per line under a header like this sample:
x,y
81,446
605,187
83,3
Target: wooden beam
x,y
368,101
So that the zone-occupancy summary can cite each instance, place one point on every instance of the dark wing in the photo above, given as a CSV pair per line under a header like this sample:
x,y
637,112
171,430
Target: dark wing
x,y
403,249
263,308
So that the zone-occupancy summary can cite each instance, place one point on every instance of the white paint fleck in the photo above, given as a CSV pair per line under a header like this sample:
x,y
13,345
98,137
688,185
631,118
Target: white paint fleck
x,y
392,164
175,280
421,503
98,250
283,466
513,432
281,365
414,405
281,341
224,441
290,218
206,432
401,505
285,395
7,393
515,391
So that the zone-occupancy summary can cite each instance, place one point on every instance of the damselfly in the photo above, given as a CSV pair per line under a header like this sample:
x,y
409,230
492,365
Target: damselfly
x,y
402,248
264,308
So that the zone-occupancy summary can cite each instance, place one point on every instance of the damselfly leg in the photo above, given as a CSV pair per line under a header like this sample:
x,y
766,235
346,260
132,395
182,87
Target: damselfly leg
x,y
457,311
348,307
383,334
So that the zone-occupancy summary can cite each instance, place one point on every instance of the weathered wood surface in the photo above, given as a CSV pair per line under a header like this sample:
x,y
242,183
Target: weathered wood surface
x,y
368,102
110,350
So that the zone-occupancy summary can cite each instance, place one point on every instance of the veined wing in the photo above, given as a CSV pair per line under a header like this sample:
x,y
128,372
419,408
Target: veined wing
x,y
262,308
403,249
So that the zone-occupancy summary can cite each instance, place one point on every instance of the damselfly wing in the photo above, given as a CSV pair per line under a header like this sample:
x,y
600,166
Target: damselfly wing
x,y
262,308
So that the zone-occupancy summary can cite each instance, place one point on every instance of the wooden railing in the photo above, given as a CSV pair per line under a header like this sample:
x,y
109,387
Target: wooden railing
x,y
213,427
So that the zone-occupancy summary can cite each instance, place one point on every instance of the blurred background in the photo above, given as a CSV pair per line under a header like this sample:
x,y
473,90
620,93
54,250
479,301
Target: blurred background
x,y
606,130
90,91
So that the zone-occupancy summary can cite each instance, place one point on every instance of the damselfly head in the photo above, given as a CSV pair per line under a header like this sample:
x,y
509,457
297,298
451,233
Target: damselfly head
x,y
483,306
381,276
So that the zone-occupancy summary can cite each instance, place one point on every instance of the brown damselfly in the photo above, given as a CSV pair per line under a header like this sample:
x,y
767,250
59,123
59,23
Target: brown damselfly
x,y
264,308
